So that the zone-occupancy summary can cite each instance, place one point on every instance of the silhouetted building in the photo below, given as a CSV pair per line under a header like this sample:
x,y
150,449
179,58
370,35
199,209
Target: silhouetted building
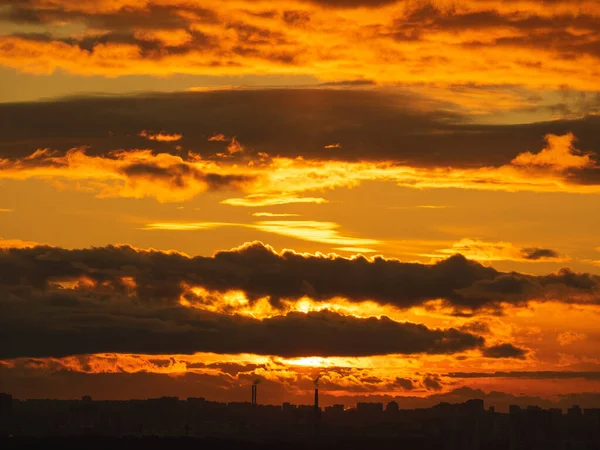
x,y
336,409
288,407
392,407
6,401
369,410
514,409
445,426
475,406
6,407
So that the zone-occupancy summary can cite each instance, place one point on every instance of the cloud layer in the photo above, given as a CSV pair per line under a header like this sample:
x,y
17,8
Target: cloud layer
x,y
61,325
259,272
272,180
376,125
58,303
389,41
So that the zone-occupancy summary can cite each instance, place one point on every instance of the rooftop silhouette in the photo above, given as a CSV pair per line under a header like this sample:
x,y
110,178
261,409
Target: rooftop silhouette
x,y
467,425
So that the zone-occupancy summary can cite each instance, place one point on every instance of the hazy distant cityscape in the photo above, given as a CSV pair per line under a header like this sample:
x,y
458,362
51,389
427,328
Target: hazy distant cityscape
x,y
469,425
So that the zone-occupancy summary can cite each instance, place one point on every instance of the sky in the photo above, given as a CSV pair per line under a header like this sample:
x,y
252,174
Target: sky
x,y
399,198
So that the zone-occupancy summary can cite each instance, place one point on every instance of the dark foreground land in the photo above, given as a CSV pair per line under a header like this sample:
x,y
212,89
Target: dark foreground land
x,y
196,423
182,443
196,443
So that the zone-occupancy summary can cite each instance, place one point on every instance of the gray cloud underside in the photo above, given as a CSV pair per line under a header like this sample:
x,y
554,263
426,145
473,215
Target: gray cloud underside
x,y
505,351
60,324
260,272
42,319
369,125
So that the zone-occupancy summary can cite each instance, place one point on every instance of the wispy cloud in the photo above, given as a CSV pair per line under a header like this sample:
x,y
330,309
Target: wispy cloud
x,y
559,167
307,230
323,232
218,138
479,250
570,337
258,200
269,214
188,226
163,136
17,243
421,207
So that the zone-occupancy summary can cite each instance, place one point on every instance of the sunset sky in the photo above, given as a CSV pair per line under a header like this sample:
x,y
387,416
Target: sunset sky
x,y
401,197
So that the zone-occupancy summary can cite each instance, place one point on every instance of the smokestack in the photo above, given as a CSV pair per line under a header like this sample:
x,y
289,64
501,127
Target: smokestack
x,y
317,410
254,391
317,392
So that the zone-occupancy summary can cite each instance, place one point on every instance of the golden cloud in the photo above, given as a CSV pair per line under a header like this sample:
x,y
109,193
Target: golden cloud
x,y
259,200
17,243
268,214
479,250
520,42
160,137
558,155
277,181
314,231
569,337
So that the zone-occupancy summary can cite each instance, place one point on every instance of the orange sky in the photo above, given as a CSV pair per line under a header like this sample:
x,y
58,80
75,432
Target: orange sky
x,y
399,196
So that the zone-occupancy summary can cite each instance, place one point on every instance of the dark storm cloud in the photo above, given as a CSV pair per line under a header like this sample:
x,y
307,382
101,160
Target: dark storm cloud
x,y
260,272
589,176
431,382
370,125
405,383
61,324
538,253
570,279
179,175
504,351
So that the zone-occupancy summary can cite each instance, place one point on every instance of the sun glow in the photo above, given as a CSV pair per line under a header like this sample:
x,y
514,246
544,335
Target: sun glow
x,y
237,302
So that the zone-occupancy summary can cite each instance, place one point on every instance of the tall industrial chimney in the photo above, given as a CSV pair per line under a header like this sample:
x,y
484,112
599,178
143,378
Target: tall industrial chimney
x,y
317,392
254,385
317,413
